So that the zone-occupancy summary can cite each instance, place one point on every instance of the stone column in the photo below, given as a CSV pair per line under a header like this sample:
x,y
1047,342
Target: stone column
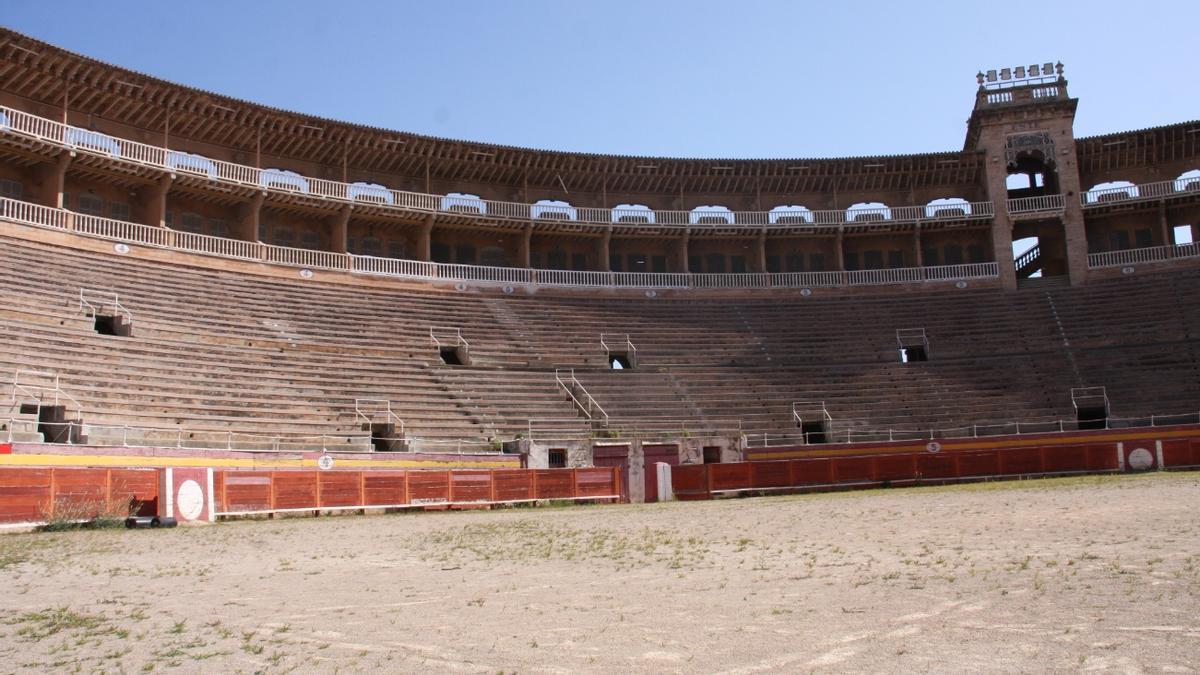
x,y
339,230
1168,237
918,260
156,202
760,252
681,252
839,250
424,240
54,180
603,250
249,215
524,256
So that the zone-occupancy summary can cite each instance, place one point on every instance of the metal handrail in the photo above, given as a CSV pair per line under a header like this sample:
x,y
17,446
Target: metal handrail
x,y
575,384
90,308
457,332
27,389
391,416
631,349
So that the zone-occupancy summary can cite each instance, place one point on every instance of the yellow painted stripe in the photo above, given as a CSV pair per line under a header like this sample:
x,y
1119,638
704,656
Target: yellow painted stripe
x,y
981,444
233,462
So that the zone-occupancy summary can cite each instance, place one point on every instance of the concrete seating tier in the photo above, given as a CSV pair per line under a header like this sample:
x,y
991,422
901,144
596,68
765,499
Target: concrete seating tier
x,y
216,354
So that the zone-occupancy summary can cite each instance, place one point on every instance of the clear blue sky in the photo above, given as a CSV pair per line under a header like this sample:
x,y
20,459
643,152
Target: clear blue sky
x,y
695,78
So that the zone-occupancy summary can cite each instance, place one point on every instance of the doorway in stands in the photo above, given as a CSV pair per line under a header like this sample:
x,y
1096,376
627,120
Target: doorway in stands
x,y
618,456
653,454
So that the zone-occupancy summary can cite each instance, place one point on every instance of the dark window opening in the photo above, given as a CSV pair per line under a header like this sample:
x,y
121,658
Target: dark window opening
x,y
557,458
107,324
53,424
579,262
851,261
695,264
814,432
1120,240
929,256
1143,238
636,262
619,362
716,263
737,264
659,263
975,253
1095,417
712,454
816,262
795,262
954,254
873,260
439,252
913,354
773,264
450,356
383,437
556,259
614,262
895,259
465,254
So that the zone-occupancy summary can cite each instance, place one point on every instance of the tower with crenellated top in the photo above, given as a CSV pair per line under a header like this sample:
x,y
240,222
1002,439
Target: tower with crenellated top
x,y
1023,122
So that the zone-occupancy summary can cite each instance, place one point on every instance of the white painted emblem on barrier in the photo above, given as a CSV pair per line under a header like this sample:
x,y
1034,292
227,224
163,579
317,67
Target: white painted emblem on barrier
x,y
121,248
651,294
508,290
933,446
189,500
1128,269
961,284
1140,459
306,273
806,292
325,463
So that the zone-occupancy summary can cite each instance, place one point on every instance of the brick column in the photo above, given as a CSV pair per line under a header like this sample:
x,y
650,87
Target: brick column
x,y
249,215
603,250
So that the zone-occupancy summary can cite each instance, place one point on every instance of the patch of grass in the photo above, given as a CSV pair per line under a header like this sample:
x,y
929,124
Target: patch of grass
x,y
36,626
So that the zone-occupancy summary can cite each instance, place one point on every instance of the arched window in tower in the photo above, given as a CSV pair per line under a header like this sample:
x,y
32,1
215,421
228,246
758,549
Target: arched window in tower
x,y
711,215
1031,156
1112,191
1188,181
461,202
553,209
948,207
632,213
790,214
866,212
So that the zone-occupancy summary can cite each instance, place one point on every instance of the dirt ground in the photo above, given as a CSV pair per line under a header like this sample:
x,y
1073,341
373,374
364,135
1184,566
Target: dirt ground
x,y
1077,574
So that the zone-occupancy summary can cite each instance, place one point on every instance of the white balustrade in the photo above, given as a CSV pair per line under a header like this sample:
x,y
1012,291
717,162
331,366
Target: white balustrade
x,y
1040,204
1134,256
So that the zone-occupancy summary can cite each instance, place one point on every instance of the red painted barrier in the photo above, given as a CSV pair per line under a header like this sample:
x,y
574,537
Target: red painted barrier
x,y
38,495
246,492
702,481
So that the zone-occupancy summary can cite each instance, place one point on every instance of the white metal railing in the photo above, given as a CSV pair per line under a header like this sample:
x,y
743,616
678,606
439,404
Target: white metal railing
x,y
1139,192
367,409
282,181
1134,256
50,389
580,396
458,339
161,237
1040,204
92,303
621,341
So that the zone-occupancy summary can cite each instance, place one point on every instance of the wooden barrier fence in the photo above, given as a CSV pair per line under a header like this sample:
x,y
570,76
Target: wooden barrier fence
x,y
248,492
703,481
39,495
30,495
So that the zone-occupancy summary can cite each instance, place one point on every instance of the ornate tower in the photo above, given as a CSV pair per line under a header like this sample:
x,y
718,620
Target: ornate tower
x,y
1023,121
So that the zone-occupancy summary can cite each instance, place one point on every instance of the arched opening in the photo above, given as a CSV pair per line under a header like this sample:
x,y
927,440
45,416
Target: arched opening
x,y
1027,258
948,207
553,209
369,192
461,202
711,215
1031,175
282,179
790,214
632,213
1112,191
867,212
1188,181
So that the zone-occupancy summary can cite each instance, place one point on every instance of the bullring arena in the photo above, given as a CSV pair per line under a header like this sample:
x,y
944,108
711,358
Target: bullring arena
x,y
645,428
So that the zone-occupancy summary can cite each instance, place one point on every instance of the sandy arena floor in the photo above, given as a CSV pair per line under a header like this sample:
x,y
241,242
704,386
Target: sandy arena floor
x,y
1078,574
